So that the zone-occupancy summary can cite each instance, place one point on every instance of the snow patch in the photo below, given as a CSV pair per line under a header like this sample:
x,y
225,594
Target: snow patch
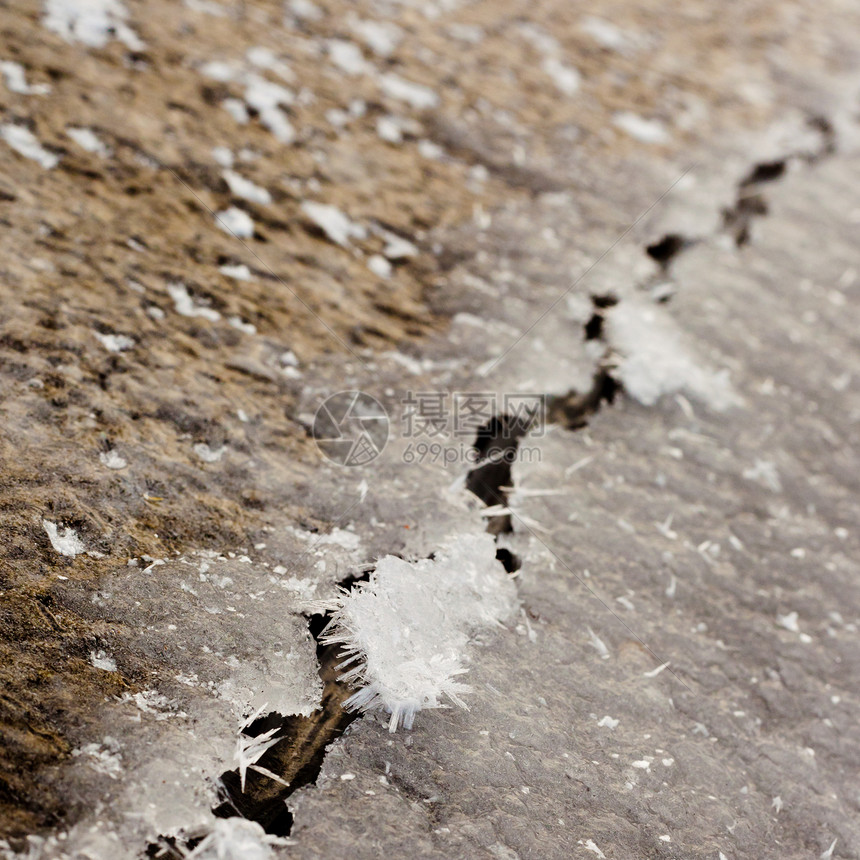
x,y
645,130
16,80
240,271
348,57
184,304
25,143
382,37
337,226
247,190
93,22
208,454
405,631
102,660
115,342
416,95
86,139
66,542
237,222
112,459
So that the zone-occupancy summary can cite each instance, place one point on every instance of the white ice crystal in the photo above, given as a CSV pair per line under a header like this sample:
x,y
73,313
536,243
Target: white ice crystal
x,y
656,359
236,839
112,459
405,631
66,542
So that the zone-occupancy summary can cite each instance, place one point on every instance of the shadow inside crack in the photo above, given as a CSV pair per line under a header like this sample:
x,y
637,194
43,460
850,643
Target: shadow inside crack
x,y
298,756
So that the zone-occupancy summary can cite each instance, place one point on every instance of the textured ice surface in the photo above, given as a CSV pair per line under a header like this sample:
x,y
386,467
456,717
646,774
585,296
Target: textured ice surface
x,y
227,642
405,631
656,360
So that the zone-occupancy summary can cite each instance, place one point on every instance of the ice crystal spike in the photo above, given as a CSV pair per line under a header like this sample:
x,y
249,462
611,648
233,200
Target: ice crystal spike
x,y
405,631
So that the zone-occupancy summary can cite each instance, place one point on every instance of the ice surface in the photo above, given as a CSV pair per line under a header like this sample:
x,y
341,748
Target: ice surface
x,y
406,630
656,359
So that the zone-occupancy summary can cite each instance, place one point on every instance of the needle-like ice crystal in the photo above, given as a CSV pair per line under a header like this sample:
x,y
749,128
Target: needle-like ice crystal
x,y
405,631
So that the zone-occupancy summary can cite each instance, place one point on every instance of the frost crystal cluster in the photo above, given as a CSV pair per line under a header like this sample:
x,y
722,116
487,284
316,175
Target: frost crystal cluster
x,y
404,632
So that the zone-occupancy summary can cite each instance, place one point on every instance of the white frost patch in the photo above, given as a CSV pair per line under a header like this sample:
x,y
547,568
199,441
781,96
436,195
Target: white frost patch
x,y
379,266
112,459
93,22
102,660
240,271
405,631
789,622
382,37
236,108
655,359
184,304
207,454
236,839
645,130
589,845
263,58
247,190
416,95
104,758
598,644
237,222
267,98
16,80
86,139
223,156
241,325
348,57
566,78
305,10
764,472
25,143
337,226
115,342
606,35
66,542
